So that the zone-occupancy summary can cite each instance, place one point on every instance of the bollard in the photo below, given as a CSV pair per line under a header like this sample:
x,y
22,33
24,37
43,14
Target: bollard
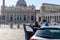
x,y
11,25
18,26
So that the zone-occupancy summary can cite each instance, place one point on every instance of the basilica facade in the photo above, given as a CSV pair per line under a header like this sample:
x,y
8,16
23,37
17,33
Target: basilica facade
x,y
21,13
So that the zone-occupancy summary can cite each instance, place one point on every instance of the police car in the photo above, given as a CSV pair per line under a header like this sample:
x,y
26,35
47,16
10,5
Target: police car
x,y
51,32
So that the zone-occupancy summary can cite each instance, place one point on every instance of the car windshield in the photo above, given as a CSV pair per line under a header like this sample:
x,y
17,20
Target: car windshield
x,y
50,33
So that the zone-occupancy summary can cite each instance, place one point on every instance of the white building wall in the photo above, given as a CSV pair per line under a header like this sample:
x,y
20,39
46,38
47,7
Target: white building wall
x,y
49,15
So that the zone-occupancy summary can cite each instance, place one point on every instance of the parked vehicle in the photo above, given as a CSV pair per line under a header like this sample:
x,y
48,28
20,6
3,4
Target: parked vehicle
x,y
47,33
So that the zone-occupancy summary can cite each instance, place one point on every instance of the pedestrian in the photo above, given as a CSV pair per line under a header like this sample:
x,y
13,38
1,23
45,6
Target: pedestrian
x,y
40,23
45,23
36,26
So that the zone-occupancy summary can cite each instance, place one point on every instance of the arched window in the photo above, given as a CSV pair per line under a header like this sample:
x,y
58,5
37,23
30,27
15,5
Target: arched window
x,y
32,18
11,18
18,18
3,17
24,18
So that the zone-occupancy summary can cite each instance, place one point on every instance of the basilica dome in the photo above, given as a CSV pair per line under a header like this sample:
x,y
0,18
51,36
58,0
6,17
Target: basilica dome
x,y
21,3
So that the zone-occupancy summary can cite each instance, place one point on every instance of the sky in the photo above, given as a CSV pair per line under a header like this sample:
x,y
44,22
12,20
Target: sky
x,y
37,3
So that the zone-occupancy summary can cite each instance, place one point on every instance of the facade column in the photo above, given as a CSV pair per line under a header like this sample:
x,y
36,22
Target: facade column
x,y
22,16
50,18
57,18
47,18
29,17
13,16
26,17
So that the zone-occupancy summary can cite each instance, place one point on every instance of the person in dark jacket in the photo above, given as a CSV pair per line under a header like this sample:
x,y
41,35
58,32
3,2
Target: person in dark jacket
x,y
36,26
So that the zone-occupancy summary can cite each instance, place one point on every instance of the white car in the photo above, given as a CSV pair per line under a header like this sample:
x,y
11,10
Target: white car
x,y
47,33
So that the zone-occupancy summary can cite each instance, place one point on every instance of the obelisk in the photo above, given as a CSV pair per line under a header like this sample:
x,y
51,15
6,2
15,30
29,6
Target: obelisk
x,y
3,4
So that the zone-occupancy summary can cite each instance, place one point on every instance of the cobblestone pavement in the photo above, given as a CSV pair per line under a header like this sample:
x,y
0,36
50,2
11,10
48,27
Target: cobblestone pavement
x,y
7,33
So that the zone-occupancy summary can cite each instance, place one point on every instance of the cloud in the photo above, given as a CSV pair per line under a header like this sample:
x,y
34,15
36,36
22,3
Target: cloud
x,y
0,2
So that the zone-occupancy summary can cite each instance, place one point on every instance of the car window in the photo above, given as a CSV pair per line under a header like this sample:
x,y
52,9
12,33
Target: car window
x,y
28,28
55,30
48,33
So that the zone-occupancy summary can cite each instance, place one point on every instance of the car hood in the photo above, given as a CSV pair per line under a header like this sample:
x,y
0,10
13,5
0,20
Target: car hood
x,y
40,38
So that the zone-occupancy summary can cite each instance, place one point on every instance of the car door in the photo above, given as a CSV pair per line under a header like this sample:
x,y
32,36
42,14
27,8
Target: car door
x,y
28,31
